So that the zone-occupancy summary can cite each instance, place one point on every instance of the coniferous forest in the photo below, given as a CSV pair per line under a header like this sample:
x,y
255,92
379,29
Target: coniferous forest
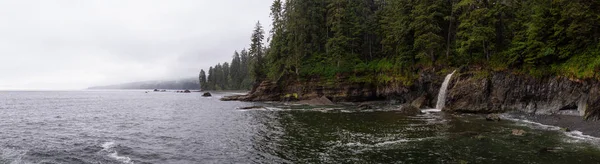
x,y
384,41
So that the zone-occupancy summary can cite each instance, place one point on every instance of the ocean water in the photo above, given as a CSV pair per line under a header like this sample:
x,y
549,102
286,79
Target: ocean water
x,y
166,127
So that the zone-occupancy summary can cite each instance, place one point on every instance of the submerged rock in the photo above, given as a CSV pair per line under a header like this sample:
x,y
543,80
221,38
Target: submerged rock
x,y
365,106
410,110
492,117
206,94
518,132
551,149
565,129
252,107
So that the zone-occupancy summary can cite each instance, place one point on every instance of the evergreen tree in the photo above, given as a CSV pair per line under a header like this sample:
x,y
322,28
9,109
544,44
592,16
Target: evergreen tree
x,y
477,28
427,22
210,79
256,53
202,78
372,42
235,71
398,35
225,78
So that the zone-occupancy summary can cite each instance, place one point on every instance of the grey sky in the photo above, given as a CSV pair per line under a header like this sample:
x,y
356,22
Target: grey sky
x,y
73,44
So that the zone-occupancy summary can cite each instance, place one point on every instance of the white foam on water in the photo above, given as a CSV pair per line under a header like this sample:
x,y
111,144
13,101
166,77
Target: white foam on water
x,y
273,109
359,144
123,159
391,142
427,111
572,134
385,143
108,147
579,135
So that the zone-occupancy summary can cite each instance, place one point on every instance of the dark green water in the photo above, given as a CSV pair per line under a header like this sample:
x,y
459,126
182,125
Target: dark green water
x,y
390,137
163,128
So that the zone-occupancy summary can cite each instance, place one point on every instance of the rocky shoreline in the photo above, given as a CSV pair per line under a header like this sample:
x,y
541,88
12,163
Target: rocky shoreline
x,y
468,92
565,122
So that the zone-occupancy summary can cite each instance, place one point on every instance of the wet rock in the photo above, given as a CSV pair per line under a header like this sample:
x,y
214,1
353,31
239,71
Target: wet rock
x,y
419,102
156,90
493,92
252,107
235,98
365,106
317,101
187,91
565,129
479,137
206,94
518,132
492,117
410,110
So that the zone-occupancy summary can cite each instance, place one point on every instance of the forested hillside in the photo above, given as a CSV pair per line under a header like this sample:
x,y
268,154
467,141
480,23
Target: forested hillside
x,y
384,41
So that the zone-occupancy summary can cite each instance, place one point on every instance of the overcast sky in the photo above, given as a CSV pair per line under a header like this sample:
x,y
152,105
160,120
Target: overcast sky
x,y
74,44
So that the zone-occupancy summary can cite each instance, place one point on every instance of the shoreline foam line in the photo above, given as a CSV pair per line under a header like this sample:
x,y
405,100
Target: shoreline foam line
x,y
573,134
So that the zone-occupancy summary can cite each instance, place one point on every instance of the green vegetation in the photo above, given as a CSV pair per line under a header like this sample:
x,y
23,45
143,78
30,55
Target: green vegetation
x,y
379,41
234,76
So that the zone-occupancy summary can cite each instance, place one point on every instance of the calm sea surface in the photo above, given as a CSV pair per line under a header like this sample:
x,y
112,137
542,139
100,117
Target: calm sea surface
x,y
163,128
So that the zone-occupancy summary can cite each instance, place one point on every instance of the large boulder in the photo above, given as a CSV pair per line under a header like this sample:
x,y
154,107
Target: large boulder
x,y
410,110
206,94
419,102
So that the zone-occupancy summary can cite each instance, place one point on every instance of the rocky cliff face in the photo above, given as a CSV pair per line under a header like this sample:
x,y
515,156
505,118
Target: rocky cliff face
x,y
468,92
342,90
503,91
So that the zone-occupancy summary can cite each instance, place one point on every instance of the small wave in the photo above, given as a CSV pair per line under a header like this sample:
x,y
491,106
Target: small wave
x,y
109,147
573,134
123,159
427,111
13,155
391,142
274,109
579,135
385,143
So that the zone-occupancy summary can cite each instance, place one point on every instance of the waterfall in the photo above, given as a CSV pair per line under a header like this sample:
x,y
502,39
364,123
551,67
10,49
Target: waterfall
x,y
441,99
